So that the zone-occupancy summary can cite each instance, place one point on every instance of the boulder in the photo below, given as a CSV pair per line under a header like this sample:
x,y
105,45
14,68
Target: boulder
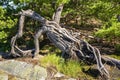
x,y
23,70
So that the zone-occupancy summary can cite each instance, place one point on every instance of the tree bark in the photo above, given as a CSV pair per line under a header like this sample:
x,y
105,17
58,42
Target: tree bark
x,y
57,15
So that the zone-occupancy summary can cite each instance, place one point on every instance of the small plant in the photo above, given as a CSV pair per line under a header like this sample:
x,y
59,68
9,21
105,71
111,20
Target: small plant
x,y
70,68
50,60
110,30
115,56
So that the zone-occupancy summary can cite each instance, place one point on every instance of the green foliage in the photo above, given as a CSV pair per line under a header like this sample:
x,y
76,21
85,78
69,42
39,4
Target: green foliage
x,y
6,24
110,30
50,60
117,47
115,56
62,1
45,7
102,10
71,68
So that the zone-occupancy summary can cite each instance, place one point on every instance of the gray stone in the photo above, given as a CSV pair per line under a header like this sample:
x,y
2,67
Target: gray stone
x,y
72,79
58,74
3,77
38,73
19,79
23,70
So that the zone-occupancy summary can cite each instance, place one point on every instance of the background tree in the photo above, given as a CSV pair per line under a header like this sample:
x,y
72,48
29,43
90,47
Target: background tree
x,y
7,22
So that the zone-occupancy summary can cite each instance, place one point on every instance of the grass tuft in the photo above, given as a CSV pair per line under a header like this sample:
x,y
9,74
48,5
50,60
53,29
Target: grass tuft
x,y
115,56
70,68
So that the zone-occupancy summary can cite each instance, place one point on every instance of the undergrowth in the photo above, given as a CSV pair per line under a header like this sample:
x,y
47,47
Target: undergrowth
x,y
115,56
70,68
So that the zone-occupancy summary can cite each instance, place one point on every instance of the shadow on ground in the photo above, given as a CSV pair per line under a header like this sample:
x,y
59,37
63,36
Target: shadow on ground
x,y
4,55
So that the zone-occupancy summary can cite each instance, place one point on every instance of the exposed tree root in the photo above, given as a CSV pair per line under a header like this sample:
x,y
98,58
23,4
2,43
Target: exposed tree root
x,y
71,46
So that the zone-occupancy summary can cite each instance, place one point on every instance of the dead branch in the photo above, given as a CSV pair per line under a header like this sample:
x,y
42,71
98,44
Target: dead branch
x,y
57,15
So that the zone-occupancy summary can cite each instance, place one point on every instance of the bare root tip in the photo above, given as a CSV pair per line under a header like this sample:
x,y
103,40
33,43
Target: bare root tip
x,y
105,75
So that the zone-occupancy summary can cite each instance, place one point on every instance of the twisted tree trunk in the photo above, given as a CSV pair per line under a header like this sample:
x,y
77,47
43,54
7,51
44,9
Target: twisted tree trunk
x,y
67,42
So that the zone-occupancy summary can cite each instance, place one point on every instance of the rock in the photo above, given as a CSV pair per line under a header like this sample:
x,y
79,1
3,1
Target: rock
x,y
23,70
72,79
3,77
37,57
59,75
38,73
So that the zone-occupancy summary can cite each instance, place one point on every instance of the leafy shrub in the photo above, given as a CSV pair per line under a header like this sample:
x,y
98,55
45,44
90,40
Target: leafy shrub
x,y
110,30
6,24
